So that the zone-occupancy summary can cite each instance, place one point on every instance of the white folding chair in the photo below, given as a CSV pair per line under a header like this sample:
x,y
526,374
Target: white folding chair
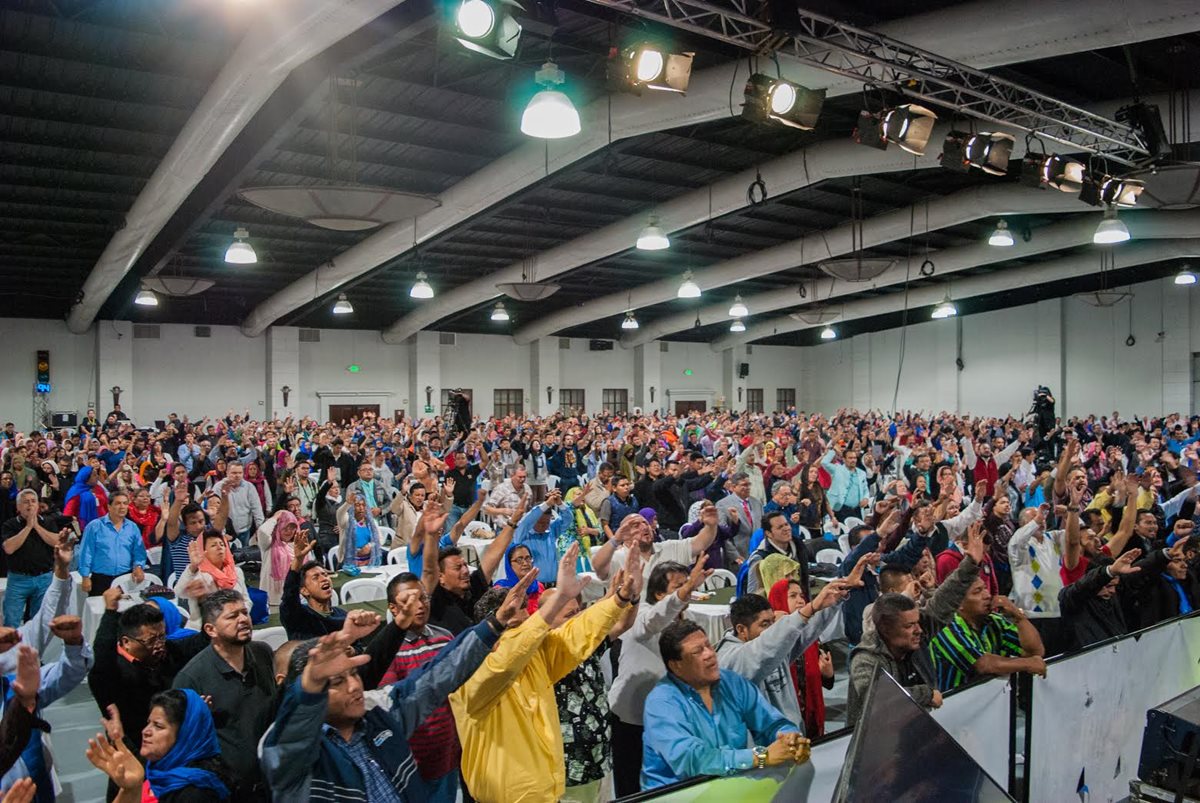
x,y
333,557
126,584
154,555
851,522
363,589
386,534
720,578
398,556
470,555
273,637
844,543
831,556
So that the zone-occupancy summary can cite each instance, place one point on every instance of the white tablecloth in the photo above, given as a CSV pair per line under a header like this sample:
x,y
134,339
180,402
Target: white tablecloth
x,y
714,618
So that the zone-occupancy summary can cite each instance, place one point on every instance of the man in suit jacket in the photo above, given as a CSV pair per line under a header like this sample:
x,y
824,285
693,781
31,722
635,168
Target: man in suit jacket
x,y
749,511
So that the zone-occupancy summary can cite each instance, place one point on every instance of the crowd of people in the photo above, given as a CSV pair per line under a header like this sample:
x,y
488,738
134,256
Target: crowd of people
x,y
559,662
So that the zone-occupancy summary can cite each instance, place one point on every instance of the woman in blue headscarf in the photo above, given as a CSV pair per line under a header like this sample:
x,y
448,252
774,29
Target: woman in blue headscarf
x,y
179,744
85,499
518,561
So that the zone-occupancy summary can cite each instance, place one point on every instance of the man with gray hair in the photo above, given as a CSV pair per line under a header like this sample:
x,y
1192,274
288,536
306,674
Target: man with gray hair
x,y
748,508
29,548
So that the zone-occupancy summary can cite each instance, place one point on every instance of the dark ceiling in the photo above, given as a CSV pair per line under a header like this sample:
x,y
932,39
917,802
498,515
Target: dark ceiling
x,y
93,93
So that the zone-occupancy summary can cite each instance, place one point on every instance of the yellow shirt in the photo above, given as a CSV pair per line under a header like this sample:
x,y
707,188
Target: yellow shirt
x,y
506,714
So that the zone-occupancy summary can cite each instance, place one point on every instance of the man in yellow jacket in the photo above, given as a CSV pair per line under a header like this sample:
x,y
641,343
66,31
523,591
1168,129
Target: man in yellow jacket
x,y
506,714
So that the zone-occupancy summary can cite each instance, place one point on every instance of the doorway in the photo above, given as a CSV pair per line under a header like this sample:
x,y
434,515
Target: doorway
x,y
342,413
694,406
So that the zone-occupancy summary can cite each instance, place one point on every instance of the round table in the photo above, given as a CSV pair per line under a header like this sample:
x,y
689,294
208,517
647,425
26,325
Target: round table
x,y
712,614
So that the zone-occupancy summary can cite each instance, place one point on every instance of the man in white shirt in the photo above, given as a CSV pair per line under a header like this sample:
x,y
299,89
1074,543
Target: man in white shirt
x,y
635,533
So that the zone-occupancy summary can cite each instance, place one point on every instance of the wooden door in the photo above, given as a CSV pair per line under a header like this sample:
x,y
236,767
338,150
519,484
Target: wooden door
x,y
339,413
685,407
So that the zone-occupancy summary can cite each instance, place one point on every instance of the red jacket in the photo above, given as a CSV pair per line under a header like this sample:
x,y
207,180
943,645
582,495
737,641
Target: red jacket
x,y
949,559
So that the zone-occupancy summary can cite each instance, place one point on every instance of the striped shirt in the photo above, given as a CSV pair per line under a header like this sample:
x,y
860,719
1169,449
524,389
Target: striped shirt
x,y
957,646
434,743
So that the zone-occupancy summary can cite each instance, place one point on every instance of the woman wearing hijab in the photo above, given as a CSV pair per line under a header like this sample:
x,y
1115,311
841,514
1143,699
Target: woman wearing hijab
x,y
361,544
518,560
254,476
210,567
179,744
86,499
584,526
145,515
275,538
811,669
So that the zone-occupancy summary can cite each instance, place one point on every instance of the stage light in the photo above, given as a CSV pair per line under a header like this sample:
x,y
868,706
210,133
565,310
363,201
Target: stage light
x,y
652,238
945,310
777,100
908,126
499,313
421,288
146,298
739,308
986,151
688,288
342,306
1185,277
1111,229
239,251
1120,191
630,322
488,27
550,113
1001,236
1060,173
648,66
737,325
828,333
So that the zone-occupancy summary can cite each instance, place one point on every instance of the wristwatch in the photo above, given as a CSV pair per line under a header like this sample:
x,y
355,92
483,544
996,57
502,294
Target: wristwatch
x,y
760,757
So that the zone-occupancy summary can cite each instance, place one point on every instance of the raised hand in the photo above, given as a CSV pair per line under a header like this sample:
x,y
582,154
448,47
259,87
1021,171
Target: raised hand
x,y
569,583
111,722
332,656
9,638
1124,564
68,628
360,624
975,545
1176,552
516,598
29,677
115,761
870,559
696,577
22,791
836,591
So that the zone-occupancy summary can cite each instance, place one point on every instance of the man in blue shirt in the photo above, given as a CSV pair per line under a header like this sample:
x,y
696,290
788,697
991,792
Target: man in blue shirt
x,y
848,491
539,529
699,718
112,546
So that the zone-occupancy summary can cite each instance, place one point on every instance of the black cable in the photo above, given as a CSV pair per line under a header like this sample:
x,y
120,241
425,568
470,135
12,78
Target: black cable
x,y
912,223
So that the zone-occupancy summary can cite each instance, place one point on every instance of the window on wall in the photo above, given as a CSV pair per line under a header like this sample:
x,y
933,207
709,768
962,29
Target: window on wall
x,y
508,401
616,400
785,398
570,400
754,400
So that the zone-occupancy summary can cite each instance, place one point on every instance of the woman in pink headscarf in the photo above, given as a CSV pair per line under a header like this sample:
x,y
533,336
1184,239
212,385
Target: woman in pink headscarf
x,y
275,538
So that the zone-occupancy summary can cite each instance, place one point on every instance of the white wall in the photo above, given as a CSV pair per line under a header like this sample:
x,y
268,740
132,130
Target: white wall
x,y
1076,349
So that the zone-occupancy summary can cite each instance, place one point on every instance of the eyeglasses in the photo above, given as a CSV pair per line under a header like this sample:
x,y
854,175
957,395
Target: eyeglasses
x,y
150,644
523,559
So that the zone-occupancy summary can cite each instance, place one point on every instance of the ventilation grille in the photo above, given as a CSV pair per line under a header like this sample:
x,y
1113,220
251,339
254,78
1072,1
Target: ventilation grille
x,y
600,345
145,331
749,350
203,331
564,343
310,335
447,339
663,346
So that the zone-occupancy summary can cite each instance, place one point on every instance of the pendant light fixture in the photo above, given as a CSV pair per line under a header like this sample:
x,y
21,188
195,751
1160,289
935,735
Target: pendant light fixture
x,y
630,322
1111,229
342,306
499,313
239,251
146,298
739,308
737,325
828,333
421,288
550,114
1001,237
652,238
946,309
689,288
1185,277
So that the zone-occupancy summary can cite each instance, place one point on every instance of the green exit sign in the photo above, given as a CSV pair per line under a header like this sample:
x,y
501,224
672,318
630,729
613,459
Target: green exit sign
x,y
354,368
429,408
688,372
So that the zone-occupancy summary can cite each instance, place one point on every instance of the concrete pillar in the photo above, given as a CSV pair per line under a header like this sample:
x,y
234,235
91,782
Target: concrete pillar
x,y
860,372
424,375
114,359
545,370
1050,369
283,371
1176,347
648,391
733,388
949,334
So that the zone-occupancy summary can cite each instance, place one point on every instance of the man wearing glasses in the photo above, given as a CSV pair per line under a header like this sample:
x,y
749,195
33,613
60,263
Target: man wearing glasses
x,y
135,661
397,651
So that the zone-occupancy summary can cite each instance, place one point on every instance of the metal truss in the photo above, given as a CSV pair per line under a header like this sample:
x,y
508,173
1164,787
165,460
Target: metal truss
x,y
872,58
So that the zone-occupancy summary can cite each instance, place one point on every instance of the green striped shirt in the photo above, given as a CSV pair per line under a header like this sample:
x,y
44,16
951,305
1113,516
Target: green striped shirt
x,y
957,646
